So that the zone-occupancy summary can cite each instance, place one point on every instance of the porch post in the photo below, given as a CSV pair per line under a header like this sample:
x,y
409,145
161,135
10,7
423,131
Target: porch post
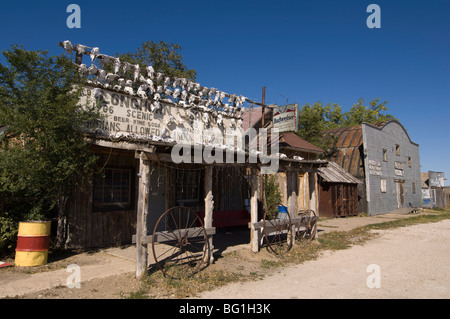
x,y
142,212
255,234
291,191
314,193
209,206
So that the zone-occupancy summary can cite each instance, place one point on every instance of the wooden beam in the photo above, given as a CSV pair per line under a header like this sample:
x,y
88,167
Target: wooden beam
x,y
124,145
167,236
255,233
142,212
209,206
291,191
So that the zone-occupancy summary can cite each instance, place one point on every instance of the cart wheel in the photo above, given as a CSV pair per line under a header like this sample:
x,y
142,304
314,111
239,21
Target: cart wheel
x,y
278,231
307,226
183,248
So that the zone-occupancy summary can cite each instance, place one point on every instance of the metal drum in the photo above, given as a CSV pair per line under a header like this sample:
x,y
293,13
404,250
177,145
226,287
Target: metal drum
x,y
32,243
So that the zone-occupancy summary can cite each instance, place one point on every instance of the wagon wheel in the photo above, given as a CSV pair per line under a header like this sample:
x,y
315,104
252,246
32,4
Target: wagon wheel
x,y
307,226
183,248
277,231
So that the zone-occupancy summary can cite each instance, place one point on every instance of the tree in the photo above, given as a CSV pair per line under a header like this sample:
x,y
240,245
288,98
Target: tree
x,y
163,57
44,155
316,118
360,113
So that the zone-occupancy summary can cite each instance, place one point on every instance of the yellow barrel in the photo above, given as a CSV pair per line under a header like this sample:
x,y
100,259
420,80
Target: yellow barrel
x,y
32,243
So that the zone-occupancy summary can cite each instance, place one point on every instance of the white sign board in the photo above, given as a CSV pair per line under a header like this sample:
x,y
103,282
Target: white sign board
x,y
131,116
436,179
285,118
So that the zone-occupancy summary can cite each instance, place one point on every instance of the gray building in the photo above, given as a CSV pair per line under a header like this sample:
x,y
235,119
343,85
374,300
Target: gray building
x,y
386,161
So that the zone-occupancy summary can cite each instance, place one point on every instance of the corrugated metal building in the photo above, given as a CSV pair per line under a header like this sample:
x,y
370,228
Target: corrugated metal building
x,y
386,161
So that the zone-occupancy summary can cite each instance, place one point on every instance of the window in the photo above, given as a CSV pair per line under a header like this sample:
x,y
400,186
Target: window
x,y
383,185
409,161
397,149
188,185
384,155
112,189
413,187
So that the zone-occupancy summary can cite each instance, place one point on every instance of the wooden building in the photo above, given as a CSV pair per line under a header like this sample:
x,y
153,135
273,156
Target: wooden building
x,y
162,143
338,192
433,190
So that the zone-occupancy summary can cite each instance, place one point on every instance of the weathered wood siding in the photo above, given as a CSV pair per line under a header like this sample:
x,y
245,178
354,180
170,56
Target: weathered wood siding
x,y
338,199
89,228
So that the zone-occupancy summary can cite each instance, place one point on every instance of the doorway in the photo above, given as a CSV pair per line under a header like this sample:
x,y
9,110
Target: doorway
x,y
157,197
400,195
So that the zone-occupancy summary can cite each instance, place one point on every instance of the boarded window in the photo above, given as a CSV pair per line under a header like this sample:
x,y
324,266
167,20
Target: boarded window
x,y
383,185
112,189
385,155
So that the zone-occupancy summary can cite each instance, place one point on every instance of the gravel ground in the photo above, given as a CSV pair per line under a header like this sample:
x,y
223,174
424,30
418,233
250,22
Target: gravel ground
x,y
413,262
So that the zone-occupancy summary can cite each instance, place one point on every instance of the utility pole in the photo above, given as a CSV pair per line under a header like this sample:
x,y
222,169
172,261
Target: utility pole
x,y
263,105
263,179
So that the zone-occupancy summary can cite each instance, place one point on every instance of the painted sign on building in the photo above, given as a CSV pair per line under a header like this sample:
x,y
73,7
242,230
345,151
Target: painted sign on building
x,y
375,168
285,118
130,116
398,168
436,179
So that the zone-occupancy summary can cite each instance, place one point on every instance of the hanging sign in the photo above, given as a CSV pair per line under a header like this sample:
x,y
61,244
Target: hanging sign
x,y
285,118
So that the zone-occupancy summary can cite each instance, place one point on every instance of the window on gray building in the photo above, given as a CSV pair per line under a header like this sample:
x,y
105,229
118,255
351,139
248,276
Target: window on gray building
x,y
383,185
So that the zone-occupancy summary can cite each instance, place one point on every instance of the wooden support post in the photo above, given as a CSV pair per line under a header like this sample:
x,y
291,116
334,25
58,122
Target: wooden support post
x,y
255,234
313,187
291,191
142,212
209,206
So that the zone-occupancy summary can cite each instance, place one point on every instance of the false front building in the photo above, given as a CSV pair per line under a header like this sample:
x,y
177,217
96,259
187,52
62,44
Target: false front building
x,y
386,161
168,147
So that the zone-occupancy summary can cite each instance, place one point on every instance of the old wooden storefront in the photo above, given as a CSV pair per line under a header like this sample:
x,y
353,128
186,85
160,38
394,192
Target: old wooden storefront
x,y
164,143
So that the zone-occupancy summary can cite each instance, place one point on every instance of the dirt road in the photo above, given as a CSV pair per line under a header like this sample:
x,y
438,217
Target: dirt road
x,y
412,262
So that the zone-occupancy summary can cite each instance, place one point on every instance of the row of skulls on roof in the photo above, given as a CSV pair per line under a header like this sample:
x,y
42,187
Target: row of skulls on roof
x,y
146,83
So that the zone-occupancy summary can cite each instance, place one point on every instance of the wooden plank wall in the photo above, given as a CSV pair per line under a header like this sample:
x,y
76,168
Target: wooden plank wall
x,y
91,229
338,200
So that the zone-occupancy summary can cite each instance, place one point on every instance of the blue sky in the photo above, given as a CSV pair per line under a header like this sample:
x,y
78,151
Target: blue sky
x,y
302,51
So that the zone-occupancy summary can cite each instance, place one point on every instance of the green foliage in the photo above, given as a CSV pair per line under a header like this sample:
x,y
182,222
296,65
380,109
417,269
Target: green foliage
x,y
44,154
272,195
163,57
316,118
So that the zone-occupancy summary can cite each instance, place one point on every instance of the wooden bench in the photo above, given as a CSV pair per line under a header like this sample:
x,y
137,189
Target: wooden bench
x,y
228,218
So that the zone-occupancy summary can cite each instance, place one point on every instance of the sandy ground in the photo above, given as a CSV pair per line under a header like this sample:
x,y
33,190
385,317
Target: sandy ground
x,y
414,262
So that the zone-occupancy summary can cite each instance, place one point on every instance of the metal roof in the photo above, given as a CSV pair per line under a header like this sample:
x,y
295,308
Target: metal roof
x,y
348,153
333,173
